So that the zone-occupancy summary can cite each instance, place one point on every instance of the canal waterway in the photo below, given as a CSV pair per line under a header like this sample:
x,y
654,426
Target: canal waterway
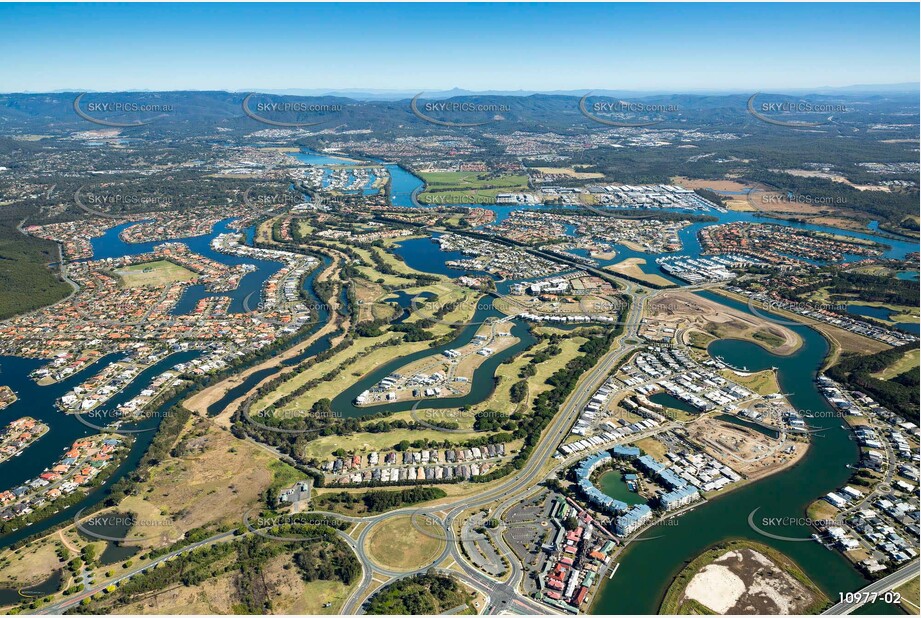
x,y
404,184
109,245
646,569
38,401
322,316
481,386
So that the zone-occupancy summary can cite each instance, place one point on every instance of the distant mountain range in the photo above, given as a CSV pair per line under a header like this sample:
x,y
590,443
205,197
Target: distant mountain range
x,y
200,112
370,94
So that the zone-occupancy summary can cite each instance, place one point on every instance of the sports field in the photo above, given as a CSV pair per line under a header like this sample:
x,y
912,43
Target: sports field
x,y
155,274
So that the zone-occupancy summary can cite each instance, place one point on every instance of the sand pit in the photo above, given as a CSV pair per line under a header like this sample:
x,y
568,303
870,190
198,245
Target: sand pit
x,y
743,578
690,312
717,587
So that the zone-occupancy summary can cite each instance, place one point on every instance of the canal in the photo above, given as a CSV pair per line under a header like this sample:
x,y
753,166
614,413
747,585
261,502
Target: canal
x,y
646,569
482,383
38,401
321,316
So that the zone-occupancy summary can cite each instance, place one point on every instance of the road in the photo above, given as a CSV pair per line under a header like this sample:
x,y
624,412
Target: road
x,y
503,595
68,602
906,574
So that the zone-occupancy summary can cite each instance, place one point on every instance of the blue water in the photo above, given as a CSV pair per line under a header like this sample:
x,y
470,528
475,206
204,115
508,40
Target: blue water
x,y
897,249
408,303
482,384
314,158
883,313
109,245
402,185
38,402
880,313
323,343
646,569
424,255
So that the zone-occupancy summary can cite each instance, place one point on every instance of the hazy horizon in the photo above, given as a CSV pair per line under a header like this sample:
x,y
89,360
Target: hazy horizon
x,y
898,87
680,48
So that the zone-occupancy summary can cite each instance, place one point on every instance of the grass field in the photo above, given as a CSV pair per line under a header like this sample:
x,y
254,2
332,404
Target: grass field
x,y
508,376
288,592
472,180
762,382
821,510
653,447
909,360
30,565
366,442
155,274
397,544
358,358
568,171
315,596
911,597
472,187
358,348
210,477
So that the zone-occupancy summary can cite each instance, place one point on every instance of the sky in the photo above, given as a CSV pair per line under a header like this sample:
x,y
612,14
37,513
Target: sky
x,y
679,47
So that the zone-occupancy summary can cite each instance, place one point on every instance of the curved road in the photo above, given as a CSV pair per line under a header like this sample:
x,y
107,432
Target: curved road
x,y
524,481
503,595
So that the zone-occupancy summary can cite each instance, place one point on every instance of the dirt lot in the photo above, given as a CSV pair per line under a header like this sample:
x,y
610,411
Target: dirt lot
x,y
631,268
745,450
733,202
712,185
688,311
745,581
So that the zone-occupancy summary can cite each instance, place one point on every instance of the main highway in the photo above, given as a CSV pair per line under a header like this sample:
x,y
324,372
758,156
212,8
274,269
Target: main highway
x,y
875,591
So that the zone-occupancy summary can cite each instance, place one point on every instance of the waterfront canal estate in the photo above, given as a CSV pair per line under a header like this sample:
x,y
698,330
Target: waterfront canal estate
x,y
327,329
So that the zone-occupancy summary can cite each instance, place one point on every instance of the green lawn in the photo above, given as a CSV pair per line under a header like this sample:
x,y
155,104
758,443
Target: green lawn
x,y
471,187
157,274
909,360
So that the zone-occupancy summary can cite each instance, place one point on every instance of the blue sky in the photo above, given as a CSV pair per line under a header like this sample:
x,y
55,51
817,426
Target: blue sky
x,y
672,47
